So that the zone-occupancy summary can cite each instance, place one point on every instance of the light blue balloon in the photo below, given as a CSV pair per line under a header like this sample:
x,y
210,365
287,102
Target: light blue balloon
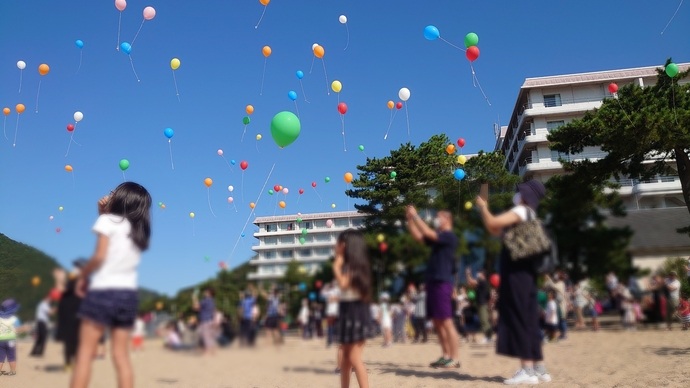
x,y
242,234
79,43
168,133
292,95
126,48
312,295
459,174
300,74
233,162
431,33
302,286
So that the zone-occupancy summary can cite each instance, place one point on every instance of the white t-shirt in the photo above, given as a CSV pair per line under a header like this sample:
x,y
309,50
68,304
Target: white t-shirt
x,y
119,270
551,313
43,312
674,294
523,211
462,303
332,296
139,328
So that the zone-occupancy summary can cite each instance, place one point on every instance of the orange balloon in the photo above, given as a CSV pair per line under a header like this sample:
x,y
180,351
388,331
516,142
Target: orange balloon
x,y
252,205
319,51
281,204
348,177
208,182
6,111
391,105
264,2
43,69
280,188
163,206
267,51
68,168
20,108
249,109
450,149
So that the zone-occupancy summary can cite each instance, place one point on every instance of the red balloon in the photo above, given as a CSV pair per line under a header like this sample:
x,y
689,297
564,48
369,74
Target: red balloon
x,y
244,165
398,105
276,188
472,53
57,230
461,142
55,295
383,247
613,88
318,284
342,108
495,280
70,127
313,184
301,191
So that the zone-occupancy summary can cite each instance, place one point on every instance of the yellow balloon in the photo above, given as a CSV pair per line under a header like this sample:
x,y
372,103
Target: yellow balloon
x,y
302,270
61,208
381,238
336,86
159,306
258,136
462,159
36,281
175,63
191,215
468,205
333,205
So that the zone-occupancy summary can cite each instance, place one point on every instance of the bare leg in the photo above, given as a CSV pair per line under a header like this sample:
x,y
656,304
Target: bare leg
x,y
450,337
438,326
89,335
339,358
355,358
120,351
13,366
345,367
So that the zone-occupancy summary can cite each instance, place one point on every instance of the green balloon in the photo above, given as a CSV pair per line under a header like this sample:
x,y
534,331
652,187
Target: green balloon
x,y
124,164
302,240
471,39
393,174
304,232
285,128
246,120
207,258
470,295
160,203
328,179
361,148
672,70
299,220
270,191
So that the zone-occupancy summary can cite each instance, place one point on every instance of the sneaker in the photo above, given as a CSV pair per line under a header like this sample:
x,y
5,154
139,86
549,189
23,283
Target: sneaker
x,y
449,364
438,362
12,373
521,377
544,378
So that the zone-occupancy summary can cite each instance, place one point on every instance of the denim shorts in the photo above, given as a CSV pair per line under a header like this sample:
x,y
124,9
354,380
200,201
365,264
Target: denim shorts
x,y
110,308
8,351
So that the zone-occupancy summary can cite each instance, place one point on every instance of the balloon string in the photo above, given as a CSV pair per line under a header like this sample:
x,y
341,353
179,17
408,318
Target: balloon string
x,y
312,64
673,91
80,58
208,196
38,93
261,18
390,123
475,79
176,91
14,144
615,96
328,91
20,80
262,77
348,36
317,193
257,146
674,15
226,161
275,208
459,48
135,72
297,109
119,22
4,128
193,231
242,186
73,180
298,198
301,85
124,178
172,165
243,132
407,116
342,120
139,30
255,203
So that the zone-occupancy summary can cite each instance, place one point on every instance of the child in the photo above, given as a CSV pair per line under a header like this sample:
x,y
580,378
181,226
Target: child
x,y
629,319
304,319
684,312
551,317
138,334
110,300
353,274
9,327
386,321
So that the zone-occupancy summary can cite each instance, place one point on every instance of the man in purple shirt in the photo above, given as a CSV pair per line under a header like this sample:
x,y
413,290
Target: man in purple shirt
x,y
440,273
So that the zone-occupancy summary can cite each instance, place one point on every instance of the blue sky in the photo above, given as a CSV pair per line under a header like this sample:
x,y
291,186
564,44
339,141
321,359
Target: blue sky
x,y
220,73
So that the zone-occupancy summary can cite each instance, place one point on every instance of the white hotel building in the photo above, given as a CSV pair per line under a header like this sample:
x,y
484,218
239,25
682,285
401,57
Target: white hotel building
x,y
545,103
279,241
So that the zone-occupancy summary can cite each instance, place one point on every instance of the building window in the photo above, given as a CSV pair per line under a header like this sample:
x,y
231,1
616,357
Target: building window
x,y
357,222
323,237
269,255
271,227
551,125
342,223
320,224
308,238
556,156
282,268
551,100
306,225
287,240
268,269
287,226
323,251
305,252
271,241
286,254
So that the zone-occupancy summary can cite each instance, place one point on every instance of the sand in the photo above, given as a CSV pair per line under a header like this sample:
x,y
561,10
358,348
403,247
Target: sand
x,y
614,358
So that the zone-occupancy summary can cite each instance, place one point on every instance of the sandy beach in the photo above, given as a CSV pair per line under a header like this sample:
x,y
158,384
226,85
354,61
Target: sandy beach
x,y
652,358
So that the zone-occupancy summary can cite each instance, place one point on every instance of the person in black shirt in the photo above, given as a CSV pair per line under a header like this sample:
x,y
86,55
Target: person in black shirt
x,y
483,294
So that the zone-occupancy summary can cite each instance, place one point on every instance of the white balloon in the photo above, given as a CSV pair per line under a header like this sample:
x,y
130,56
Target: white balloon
x,y
21,65
231,189
314,46
404,94
343,19
78,116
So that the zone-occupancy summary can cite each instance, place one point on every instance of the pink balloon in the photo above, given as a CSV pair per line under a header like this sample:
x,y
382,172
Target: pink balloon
x,y
230,199
220,152
120,5
299,214
51,218
149,13
329,223
285,190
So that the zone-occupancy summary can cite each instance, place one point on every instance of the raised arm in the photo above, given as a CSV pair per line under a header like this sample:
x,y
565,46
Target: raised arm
x,y
343,279
472,282
496,224
419,229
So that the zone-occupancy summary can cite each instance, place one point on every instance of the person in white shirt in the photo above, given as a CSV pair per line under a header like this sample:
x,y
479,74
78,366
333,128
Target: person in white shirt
x,y
331,293
673,287
138,334
551,318
43,313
